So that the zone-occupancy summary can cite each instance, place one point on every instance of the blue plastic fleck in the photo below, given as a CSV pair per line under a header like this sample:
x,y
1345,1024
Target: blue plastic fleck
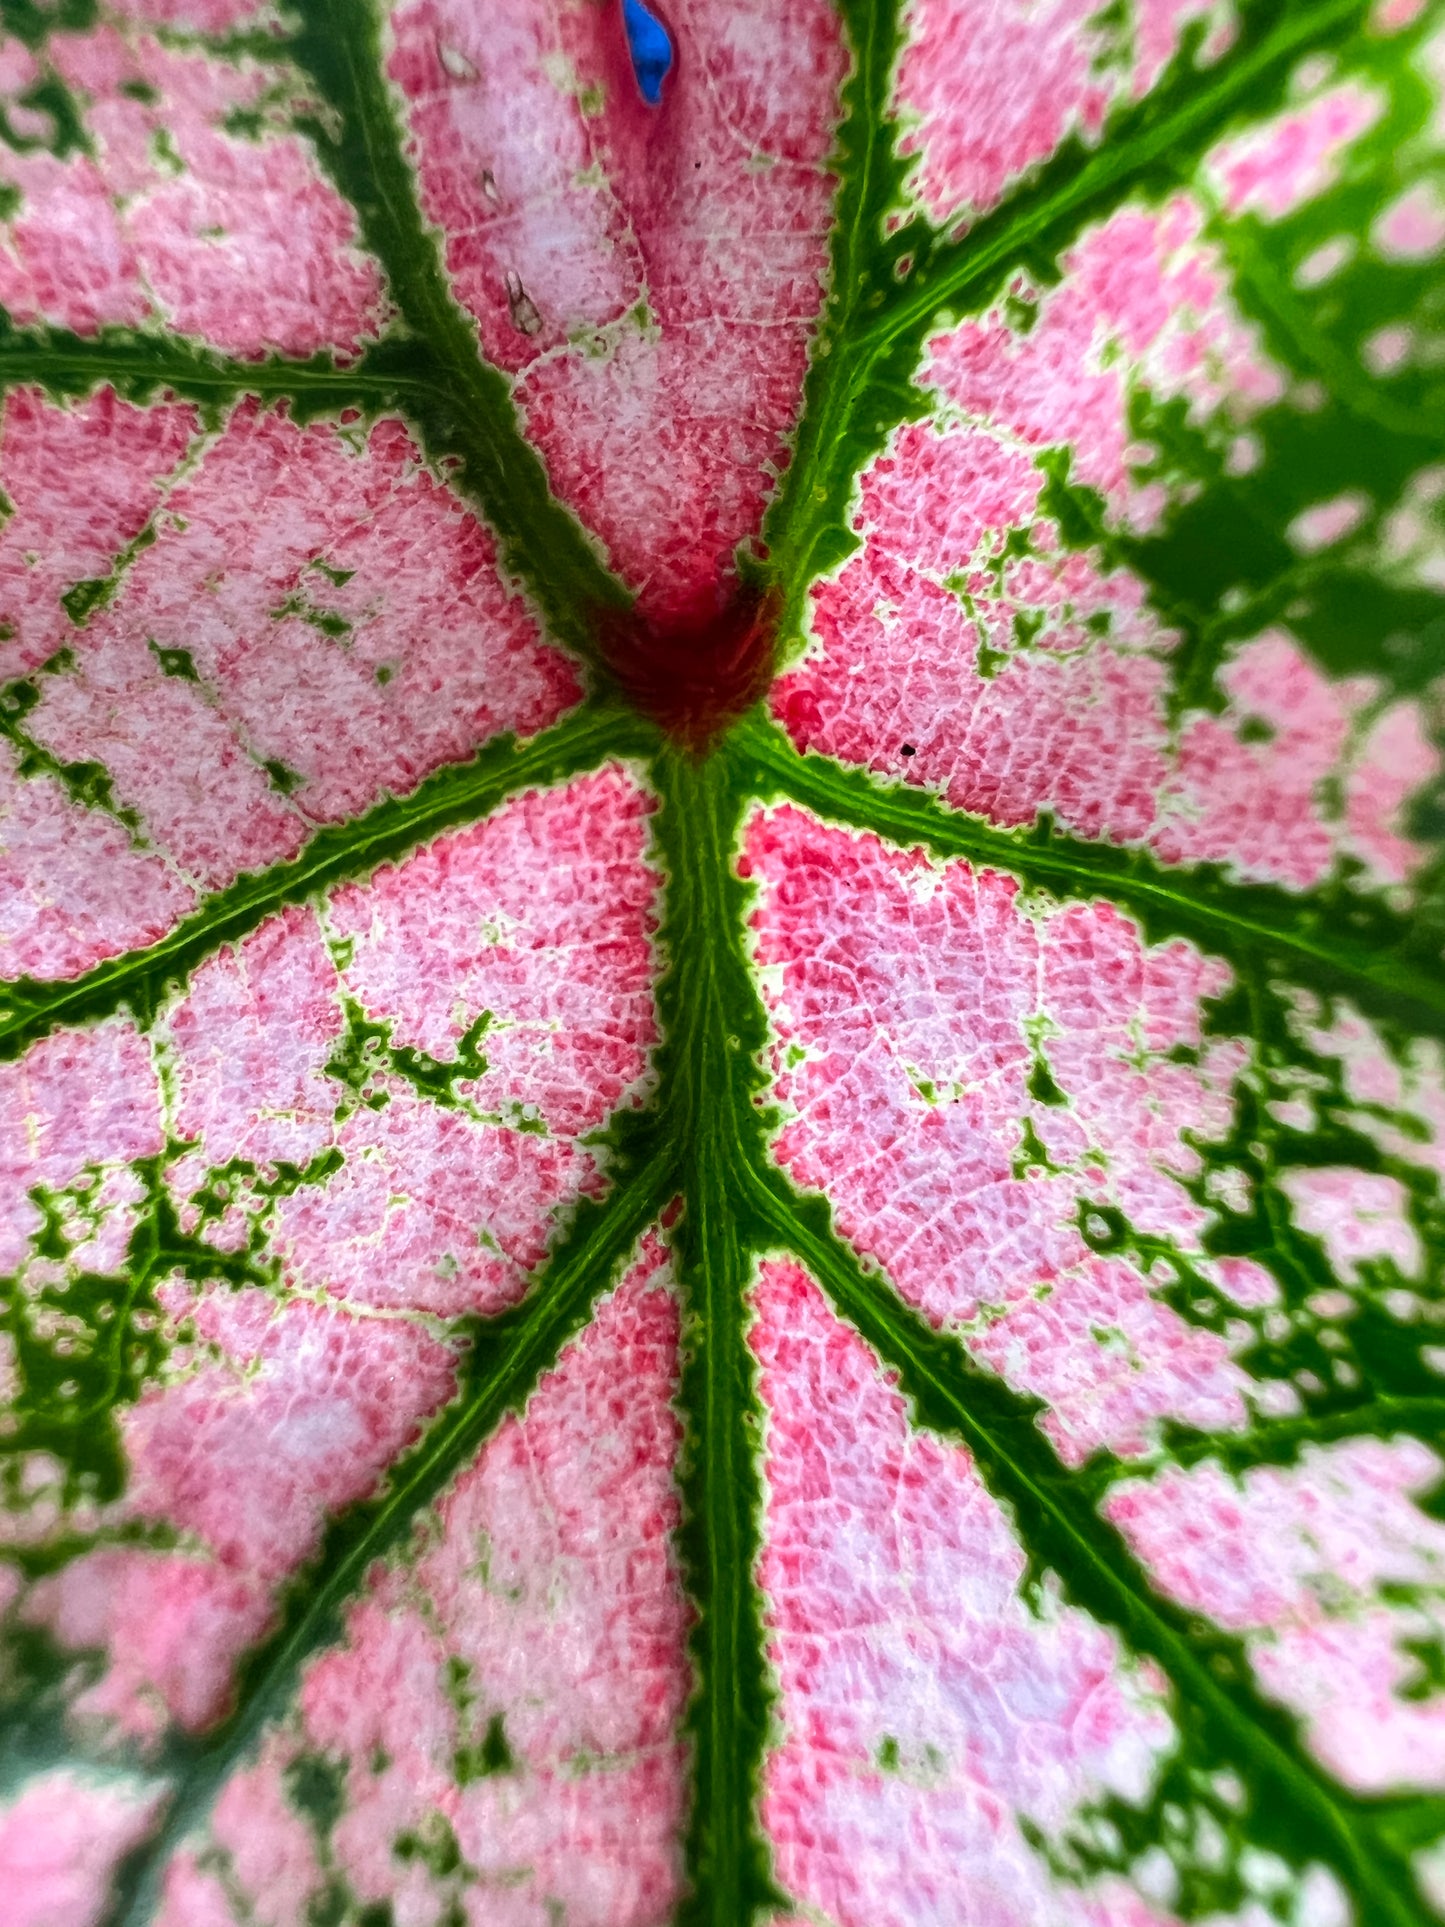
x,y
650,45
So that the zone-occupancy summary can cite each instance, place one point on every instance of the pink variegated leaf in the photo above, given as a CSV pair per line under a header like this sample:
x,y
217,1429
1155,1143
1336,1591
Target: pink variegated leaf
x,y
721,1092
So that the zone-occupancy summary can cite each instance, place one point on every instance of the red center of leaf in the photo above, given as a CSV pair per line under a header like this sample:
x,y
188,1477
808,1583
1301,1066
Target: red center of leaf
x,y
696,671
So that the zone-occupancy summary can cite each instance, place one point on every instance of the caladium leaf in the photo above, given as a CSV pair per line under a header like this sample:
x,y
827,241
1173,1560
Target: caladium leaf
x,y
722,1105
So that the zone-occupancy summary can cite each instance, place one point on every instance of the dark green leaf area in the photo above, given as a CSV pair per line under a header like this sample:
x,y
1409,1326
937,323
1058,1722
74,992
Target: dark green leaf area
x,y
34,24
326,622
1201,1839
1042,1086
1357,1352
491,1755
176,662
711,1107
275,110
484,1749
52,101
83,598
1352,617
435,1845
85,1343
144,368
38,1682
1428,1653
316,1789
365,1058
282,778
1196,1838
1358,336
239,1181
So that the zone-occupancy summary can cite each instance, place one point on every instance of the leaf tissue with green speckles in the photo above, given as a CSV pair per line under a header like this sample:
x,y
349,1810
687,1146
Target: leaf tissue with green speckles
x,y
722,963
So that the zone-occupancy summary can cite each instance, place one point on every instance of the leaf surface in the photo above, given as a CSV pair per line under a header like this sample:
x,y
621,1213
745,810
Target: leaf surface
x,y
721,1087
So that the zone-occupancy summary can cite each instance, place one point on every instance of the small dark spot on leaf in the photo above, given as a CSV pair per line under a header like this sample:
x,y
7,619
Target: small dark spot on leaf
x,y
174,662
316,1789
526,317
281,778
330,1907
83,597
1041,1085
496,1754
434,1844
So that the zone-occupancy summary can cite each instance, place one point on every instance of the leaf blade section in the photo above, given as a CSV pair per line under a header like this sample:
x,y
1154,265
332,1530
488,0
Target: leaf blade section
x,y
506,1358
1293,1806
1143,570
1025,1078
951,1710
1268,1086
355,1128
457,794
1177,121
226,644
900,279
160,184
468,415
647,273
1388,967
